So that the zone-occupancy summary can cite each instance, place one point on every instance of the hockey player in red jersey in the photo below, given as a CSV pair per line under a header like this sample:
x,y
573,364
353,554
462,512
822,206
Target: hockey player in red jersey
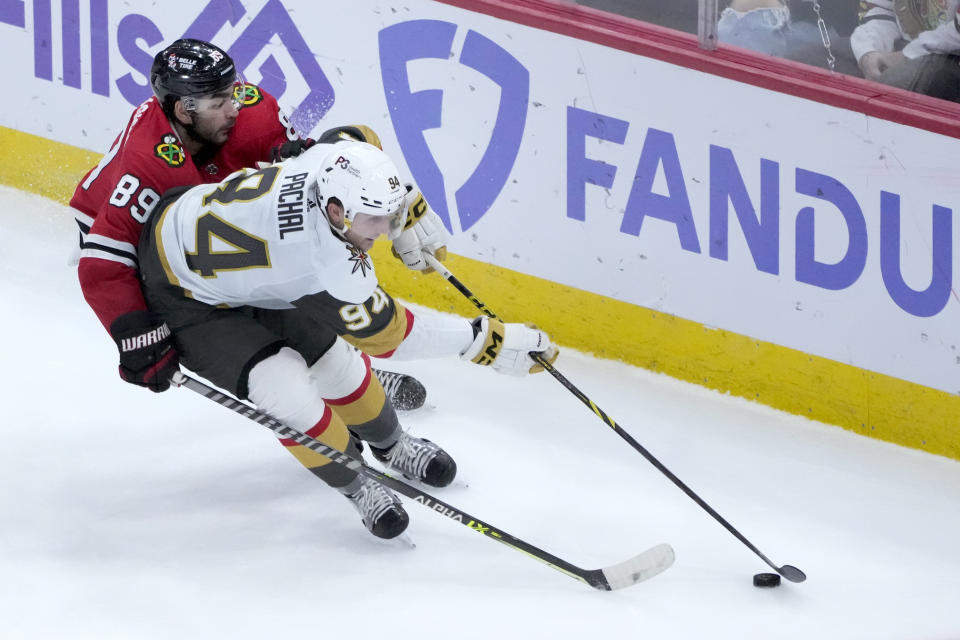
x,y
203,123
266,285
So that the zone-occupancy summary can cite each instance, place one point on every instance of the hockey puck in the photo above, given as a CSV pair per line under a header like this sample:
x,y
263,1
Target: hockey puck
x,y
766,580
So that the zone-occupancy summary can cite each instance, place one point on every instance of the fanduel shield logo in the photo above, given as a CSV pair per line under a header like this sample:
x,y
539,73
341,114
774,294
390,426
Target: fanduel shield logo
x,y
414,113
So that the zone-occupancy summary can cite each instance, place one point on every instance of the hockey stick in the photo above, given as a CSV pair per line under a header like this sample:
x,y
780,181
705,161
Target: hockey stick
x,y
623,574
789,572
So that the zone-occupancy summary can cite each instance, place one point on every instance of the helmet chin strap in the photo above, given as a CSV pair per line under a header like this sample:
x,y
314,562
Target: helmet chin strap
x,y
340,233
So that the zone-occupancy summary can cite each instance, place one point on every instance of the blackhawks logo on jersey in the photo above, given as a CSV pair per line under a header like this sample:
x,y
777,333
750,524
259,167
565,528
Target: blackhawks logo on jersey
x,y
170,151
246,95
360,260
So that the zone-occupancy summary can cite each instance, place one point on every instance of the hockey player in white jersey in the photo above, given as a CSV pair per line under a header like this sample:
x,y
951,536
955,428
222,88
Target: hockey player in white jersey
x,y
266,285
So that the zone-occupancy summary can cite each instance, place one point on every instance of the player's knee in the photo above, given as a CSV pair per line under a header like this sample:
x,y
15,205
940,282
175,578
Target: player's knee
x,y
341,371
350,387
281,386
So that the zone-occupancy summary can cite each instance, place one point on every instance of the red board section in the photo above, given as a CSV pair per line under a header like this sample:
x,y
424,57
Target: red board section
x,y
735,63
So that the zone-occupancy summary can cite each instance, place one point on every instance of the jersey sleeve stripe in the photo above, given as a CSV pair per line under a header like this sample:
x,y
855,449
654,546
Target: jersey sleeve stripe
x,y
97,246
111,244
83,220
94,252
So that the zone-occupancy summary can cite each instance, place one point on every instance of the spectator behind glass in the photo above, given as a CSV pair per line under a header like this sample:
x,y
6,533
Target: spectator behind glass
x,y
910,44
788,29
761,25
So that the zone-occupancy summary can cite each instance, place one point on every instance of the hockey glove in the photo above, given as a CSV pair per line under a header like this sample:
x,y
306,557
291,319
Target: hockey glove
x,y
423,230
507,347
147,356
290,148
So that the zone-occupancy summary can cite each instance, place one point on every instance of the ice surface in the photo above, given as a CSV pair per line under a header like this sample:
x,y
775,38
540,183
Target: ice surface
x,y
127,514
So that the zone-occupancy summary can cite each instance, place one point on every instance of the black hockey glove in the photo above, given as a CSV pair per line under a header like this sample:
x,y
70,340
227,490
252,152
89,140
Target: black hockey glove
x,y
147,356
290,148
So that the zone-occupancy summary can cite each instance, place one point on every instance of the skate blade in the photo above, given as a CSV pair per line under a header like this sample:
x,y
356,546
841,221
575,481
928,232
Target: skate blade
x,y
404,540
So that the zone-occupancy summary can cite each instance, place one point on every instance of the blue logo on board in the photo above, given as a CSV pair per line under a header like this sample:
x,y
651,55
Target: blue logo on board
x,y
415,112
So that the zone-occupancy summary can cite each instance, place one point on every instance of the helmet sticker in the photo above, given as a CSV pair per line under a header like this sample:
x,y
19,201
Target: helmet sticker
x,y
344,163
179,63
170,151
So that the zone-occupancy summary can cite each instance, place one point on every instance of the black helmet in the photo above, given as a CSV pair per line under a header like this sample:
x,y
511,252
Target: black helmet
x,y
190,68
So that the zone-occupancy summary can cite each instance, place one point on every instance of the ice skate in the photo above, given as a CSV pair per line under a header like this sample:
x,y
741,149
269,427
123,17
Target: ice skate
x,y
418,459
380,509
404,392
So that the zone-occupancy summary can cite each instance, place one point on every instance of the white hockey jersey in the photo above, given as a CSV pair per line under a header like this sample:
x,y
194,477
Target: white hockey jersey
x,y
258,238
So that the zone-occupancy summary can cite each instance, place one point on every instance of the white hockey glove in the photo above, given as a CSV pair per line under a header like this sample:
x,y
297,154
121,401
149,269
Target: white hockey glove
x,y
423,230
506,346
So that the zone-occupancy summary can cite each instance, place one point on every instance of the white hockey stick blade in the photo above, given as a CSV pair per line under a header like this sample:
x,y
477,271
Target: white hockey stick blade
x,y
651,562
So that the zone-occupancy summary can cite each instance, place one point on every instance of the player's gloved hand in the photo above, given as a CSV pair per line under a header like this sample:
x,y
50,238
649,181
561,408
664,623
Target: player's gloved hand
x,y
290,148
423,230
147,355
507,347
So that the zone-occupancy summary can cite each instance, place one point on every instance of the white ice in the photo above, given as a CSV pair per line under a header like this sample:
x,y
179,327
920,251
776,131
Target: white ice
x,y
127,514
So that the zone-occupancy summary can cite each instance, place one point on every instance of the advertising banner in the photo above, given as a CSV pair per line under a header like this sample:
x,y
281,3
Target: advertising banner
x,y
782,219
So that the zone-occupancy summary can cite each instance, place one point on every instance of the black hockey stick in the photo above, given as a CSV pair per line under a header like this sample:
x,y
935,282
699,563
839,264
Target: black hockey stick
x,y
636,569
789,572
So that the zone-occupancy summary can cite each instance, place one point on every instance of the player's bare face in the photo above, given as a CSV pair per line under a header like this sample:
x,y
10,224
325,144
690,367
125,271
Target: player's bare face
x,y
214,118
367,228
360,242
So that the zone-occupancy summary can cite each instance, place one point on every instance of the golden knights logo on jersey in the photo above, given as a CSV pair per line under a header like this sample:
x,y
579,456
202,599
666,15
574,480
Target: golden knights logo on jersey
x,y
170,151
360,260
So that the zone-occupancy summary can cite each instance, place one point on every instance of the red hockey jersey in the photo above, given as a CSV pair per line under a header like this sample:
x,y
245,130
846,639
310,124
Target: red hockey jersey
x,y
114,199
